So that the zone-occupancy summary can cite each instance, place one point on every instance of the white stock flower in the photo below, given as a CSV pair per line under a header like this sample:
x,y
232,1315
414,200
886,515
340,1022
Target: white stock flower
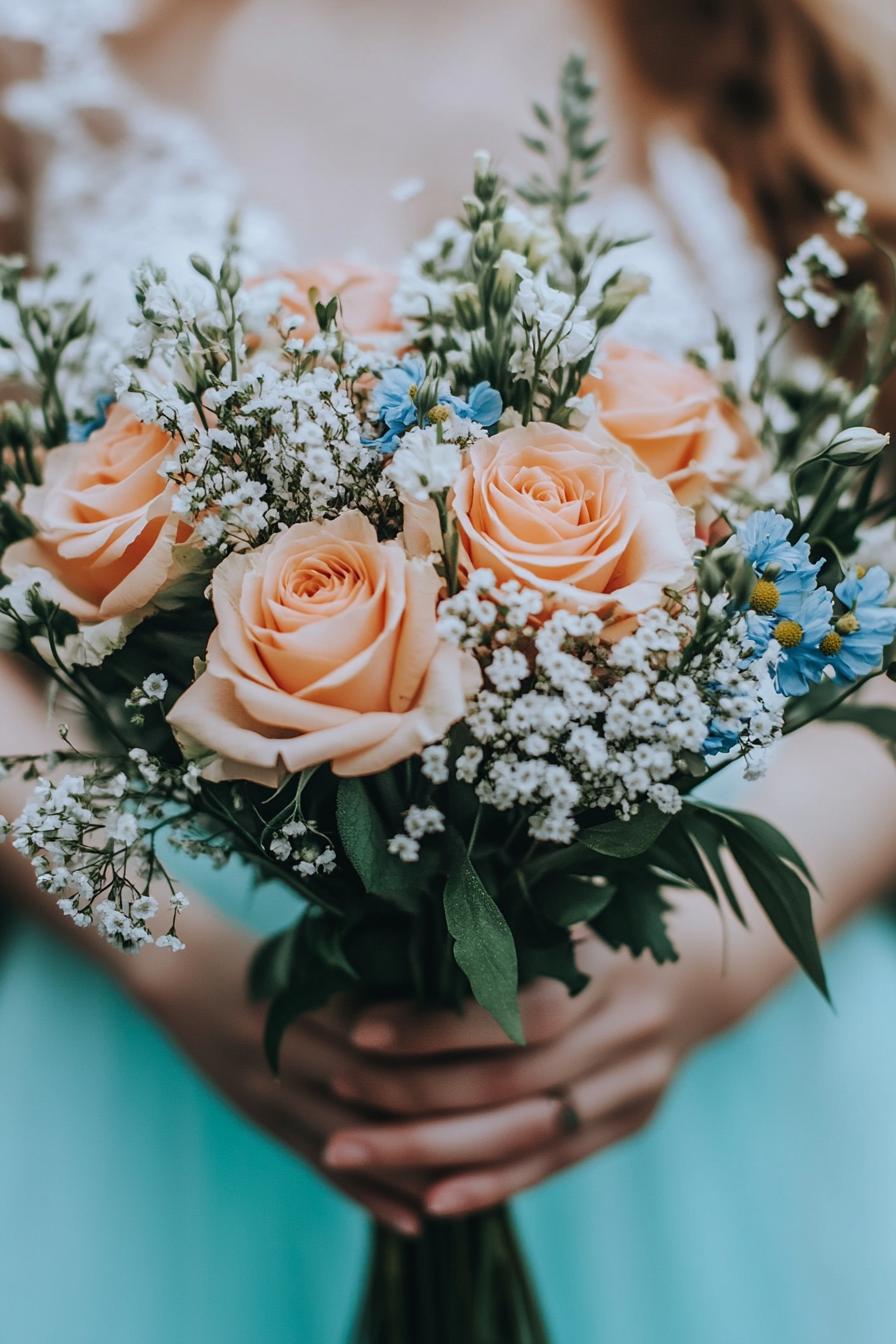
x,y
422,466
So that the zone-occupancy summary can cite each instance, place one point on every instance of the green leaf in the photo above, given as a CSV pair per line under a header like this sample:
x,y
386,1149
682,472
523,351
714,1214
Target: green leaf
x,y
483,946
566,898
879,719
303,974
775,873
762,832
711,841
627,839
635,919
270,967
365,842
574,858
555,959
677,855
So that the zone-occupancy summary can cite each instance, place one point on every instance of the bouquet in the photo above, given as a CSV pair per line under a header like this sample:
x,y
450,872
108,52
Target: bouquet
x,y
436,600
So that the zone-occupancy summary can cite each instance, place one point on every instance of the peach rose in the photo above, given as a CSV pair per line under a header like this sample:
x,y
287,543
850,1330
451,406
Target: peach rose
x,y
326,650
673,417
572,516
365,294
105,530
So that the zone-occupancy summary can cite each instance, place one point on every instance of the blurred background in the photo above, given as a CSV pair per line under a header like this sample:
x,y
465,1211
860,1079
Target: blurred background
x,y
759,1205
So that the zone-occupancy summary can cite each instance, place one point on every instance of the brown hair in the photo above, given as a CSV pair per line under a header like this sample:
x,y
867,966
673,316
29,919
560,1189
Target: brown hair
x,y
793,97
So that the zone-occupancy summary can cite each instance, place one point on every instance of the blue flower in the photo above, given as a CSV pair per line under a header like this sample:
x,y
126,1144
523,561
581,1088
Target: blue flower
x,y
394,401
800,635
764,540
483,404
778,600
720,740
79,430
861,634
394,397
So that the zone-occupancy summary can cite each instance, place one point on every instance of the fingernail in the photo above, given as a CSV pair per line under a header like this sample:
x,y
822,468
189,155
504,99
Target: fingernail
x,y
372,1035
344,1087
346,1153
405,1224
451,1199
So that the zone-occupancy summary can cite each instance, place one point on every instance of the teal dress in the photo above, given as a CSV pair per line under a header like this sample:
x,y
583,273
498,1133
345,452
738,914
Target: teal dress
x,y
136,1207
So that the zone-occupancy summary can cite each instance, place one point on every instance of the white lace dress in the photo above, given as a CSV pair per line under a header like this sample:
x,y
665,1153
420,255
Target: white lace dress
x,y
135,1206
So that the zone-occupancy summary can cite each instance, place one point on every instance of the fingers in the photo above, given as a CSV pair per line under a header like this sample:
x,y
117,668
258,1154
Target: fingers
x,y
422,1086
401,1214
546,1007
480,1136
483,1188
311,1051
499,1133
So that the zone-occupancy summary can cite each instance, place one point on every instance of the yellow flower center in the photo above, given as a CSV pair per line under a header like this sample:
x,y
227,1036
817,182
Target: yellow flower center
x,y
439,414
413,390
848,623
788,634
860,571
765,597
831,644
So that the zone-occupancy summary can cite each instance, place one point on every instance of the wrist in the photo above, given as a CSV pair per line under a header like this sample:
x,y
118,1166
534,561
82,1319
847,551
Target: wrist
x,y
167,984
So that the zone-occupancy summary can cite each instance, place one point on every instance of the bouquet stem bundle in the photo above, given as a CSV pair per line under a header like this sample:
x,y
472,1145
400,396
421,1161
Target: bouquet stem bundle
x,y
463,1281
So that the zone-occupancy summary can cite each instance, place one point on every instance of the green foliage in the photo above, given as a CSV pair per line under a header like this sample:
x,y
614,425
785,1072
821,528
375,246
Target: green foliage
x,y
566,143
365,842
775,873
626,839
484,947
878,719
297,971
570,898
555,958
54,333
634,918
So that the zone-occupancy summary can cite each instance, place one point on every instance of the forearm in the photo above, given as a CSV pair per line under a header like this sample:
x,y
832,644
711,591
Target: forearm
x,y
28,727
831,789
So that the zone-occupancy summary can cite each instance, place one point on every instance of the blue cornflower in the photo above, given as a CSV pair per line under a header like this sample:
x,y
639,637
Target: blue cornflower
x,y
394,400
483,404
394,397
764,541
859,637
79,430
800,635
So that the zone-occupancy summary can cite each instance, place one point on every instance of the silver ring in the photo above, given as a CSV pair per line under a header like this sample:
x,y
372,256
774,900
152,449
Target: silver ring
x,y
569,1119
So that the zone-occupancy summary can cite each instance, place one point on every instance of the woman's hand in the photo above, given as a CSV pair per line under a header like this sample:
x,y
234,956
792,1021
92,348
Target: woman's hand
x,y
199,998
489,1118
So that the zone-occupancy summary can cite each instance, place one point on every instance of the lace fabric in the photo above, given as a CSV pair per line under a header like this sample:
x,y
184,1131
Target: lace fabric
x,y
103,176
110,176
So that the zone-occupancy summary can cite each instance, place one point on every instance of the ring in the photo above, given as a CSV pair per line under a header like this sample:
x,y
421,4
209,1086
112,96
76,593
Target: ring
x,y
570,1120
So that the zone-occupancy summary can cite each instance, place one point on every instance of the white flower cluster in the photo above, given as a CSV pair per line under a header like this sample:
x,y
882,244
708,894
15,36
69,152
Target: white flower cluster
x,y
813,260
285,449
567,722
151,691
849,212
557,332
91,852
427,460
424,463
299,845
427,274
418,822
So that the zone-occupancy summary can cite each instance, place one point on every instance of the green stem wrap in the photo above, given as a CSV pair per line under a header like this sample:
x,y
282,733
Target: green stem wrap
x,y
463,1281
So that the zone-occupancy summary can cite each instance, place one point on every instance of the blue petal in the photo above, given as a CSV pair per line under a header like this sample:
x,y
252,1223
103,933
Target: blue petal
x,y
79,430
